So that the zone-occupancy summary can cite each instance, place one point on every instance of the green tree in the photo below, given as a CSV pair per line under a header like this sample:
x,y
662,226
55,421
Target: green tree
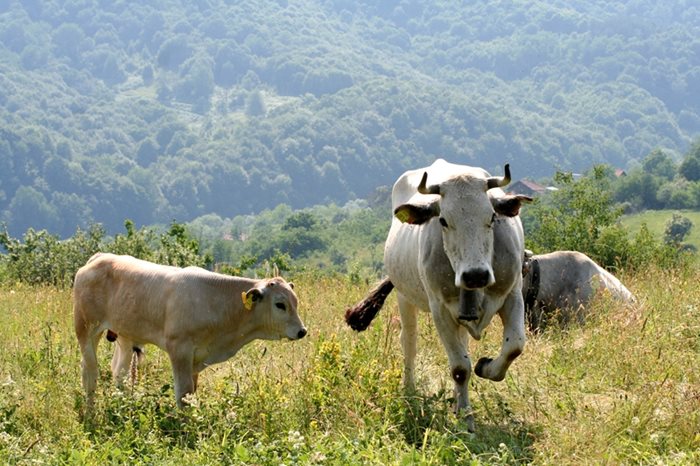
x,y
690,167
147,152
301,220
41,258
174,52
659,163
255,104
196,84
677,229
575,216
639,190
177,247
29,208
68,38
137,243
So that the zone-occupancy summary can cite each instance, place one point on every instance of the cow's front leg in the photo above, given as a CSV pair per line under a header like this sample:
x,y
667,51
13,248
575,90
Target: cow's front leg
x,y
182,360
513,342
454,339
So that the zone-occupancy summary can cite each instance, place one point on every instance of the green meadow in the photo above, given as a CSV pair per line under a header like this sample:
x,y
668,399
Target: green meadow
x,y
623,389
656,221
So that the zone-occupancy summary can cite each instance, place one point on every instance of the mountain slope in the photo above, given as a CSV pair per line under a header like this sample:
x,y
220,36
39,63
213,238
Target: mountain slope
x,y
163,109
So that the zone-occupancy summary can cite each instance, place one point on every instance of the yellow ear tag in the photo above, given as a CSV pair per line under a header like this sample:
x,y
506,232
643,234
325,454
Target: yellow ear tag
x,y
247,300
403,215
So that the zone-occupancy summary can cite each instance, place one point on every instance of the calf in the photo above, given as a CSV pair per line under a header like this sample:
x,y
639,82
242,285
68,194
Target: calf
x,y
198,317
565,281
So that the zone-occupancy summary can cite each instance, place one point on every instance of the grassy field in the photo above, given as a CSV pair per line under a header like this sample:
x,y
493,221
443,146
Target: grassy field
x,y
624,389
656,222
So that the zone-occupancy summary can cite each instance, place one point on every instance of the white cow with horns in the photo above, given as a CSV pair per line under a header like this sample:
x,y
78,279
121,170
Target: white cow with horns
x,y
455,249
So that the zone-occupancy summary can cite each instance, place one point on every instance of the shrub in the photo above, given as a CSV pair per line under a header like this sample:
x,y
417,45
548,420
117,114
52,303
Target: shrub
x,y
581,215
43,258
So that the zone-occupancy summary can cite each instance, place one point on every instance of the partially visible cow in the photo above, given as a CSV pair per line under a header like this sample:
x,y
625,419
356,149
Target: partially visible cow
x,y
561,284
198,317
455,249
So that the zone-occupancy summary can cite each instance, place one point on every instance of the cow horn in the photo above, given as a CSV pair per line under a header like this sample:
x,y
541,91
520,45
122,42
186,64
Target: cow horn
x,y
500,181
433,189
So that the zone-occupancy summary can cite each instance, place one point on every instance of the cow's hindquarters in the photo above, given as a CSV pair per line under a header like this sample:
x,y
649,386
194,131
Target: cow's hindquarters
x,y
88,339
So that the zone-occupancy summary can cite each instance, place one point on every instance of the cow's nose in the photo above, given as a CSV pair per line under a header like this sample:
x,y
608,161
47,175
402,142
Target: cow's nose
x,y
301,334
475,278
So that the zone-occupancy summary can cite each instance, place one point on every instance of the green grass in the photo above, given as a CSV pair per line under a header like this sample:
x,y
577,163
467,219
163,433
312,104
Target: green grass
x,y
656,222
624,389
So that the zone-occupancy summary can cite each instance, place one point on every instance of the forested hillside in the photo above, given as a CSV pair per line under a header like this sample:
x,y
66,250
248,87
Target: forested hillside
x,y
157,110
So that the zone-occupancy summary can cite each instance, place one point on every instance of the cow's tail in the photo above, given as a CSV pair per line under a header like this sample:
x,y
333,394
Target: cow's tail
x,y
359,316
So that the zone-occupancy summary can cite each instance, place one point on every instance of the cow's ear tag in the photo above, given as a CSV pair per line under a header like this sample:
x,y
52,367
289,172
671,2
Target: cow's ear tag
x,y
403,215
247,300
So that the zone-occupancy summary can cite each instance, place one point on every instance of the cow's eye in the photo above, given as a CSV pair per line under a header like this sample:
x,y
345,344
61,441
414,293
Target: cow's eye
x,y
281,306
443,222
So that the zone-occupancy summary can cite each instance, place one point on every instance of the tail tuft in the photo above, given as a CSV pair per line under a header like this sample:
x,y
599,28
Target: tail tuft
x,y
359,316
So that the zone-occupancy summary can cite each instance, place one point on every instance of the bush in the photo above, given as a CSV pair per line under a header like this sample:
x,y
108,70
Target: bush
x,y
677,228
582,216
42,258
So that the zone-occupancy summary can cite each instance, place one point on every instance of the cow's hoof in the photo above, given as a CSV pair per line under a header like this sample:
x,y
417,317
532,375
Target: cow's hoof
x,y
470,424
479,369
469,420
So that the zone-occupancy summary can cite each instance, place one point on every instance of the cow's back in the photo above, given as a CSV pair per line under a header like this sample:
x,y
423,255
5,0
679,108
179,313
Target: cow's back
x,y
572,279
127,295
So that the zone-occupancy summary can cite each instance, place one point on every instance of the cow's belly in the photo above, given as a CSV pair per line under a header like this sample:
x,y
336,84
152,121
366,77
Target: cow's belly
x,y
136,315
402,261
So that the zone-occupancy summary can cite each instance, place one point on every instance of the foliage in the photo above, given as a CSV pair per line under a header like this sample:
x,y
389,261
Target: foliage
x,y
574,216
656,222
660,184
335,397
161,110
331,239
42,258
677,229
178,248
582,216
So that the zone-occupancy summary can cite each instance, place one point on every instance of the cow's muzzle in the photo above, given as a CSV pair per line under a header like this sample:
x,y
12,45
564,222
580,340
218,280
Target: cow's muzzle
x,y
301,334
475,278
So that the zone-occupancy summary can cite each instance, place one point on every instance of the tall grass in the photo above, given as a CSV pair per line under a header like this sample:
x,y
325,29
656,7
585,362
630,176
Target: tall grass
x,y
623,389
